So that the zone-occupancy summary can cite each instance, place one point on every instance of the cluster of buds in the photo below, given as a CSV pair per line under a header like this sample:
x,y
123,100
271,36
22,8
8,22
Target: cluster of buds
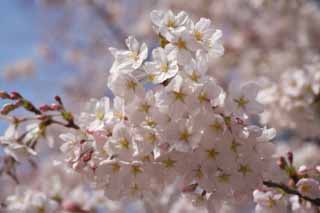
x,y
21,137
19,101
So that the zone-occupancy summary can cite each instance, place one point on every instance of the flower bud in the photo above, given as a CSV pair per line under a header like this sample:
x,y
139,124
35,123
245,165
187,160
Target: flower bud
x,y
44,108
55,107
7,108
4,95
71,206
291,183
87,156
189,188
281,162
58,99
239,121
290,157
15,95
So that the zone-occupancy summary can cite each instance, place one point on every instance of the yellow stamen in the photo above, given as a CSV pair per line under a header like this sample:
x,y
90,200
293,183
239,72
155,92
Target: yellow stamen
x,y
164,68
136,169
144,107
169,163
244,169
224,178
134,56
194,77
242,102
179,96
100,115
212,153
203,98
115,167
198,35
184,135
171,23
124,143
181,44
131,84
216,126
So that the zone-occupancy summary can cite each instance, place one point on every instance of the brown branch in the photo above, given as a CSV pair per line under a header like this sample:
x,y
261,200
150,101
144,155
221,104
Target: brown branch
x,y
288,190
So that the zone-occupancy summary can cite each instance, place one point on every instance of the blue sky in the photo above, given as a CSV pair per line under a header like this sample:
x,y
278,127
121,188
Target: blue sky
x,y
20,34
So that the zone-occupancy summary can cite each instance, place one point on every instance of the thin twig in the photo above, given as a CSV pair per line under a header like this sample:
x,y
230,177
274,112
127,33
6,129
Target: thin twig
x,y
288,190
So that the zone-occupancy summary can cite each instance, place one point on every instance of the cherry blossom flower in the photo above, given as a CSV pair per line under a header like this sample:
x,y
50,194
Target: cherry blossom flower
x,y
309,187
241,100
163,67
126,60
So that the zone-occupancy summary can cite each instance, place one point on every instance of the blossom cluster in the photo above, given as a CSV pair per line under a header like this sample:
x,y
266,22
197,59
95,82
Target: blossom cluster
x,y
170,122
296,99
57,189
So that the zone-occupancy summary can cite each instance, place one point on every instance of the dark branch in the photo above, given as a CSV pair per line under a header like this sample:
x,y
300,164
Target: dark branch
x,y
289,190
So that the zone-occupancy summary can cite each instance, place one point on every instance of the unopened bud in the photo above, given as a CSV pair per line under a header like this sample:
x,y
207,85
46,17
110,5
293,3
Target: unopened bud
x,y
71,206
239,121
15,95
7,108
55,107
290,157
189,188
281,162
58,99
87,156
291,183
4,95
44,108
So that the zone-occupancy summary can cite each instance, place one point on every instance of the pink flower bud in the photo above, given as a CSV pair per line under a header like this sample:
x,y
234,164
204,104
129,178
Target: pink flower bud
x,y
71,206
4,95
44,108
15,95
281,162
290,157
56,107
87,156
58,99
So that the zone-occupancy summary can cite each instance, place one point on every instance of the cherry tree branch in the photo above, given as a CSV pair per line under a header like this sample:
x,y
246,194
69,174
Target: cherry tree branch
x,y
289,190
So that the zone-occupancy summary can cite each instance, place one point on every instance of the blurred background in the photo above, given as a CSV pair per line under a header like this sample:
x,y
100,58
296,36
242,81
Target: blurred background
x,y
50,47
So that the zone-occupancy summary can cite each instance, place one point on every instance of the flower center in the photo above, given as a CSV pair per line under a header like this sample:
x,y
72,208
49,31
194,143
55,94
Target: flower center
x,y
145,107
169,163
212,153
242,102
185,135
181,44
131,85
179,96
216,126
198,35
134,56
124,143
164,68
244,169
171,23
